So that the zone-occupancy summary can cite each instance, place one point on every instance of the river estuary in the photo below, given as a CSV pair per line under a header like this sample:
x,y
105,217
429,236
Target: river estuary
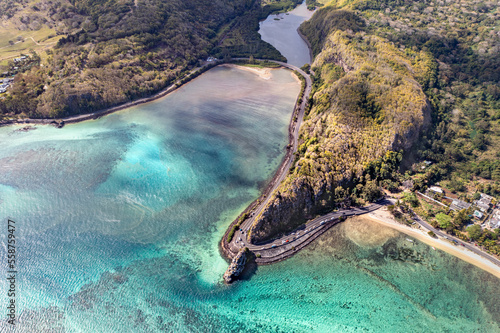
x,y
119,219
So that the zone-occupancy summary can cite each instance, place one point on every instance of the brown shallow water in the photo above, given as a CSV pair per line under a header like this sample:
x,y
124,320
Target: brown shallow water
x,y
366,233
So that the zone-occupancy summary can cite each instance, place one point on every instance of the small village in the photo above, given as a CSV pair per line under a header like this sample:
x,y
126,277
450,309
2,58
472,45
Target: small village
x,y
485,212
470,215
17,65
4,84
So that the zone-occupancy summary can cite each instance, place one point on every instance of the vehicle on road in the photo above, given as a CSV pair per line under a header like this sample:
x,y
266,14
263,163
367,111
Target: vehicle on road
x,y
273,246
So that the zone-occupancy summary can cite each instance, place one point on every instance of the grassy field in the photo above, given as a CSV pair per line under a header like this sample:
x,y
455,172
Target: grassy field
x,y
38,41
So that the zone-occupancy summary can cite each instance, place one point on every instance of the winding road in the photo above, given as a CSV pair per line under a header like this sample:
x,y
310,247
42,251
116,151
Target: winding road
x,y
285,246
282,172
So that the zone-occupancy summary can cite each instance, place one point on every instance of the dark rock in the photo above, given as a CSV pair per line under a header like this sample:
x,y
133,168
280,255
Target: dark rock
x,y
237,266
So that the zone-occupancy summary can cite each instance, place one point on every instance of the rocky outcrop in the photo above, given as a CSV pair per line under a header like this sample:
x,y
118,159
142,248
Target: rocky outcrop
x,y
237,266
286,212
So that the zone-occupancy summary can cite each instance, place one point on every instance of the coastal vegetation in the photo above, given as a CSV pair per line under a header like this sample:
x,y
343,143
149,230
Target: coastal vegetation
x,y
384,71
111,52
236,226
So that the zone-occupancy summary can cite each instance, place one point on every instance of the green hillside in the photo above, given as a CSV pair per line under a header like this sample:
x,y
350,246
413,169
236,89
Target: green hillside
x,y
110,52
386,71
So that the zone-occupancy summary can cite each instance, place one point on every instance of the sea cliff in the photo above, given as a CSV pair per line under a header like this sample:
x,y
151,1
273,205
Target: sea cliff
x,y
367,104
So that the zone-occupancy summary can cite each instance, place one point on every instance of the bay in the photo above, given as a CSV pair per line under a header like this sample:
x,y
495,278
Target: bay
x,y
120,218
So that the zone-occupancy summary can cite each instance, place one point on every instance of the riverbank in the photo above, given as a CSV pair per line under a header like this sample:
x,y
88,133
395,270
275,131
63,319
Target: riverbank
x,y
382,216
282,33
309,46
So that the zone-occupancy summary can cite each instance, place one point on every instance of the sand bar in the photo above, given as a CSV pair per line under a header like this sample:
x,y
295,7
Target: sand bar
x,y
264,73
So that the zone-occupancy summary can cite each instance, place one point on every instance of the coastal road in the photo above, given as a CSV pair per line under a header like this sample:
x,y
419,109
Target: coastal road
x,y
282,172
286,245
459,241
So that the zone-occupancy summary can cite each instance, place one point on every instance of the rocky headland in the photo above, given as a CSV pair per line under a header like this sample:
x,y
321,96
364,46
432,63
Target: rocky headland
x,y
367,105
236,267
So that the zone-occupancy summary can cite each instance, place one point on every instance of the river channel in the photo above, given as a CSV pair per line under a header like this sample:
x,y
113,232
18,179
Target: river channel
x,y
280,30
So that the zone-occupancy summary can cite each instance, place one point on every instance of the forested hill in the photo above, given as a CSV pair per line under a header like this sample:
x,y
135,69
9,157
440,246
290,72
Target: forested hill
x,y
367,103
115,50
463,40
384,69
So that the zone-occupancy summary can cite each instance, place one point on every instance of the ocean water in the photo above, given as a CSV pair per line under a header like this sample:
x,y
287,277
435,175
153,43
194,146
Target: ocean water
x,y
119,221
280,30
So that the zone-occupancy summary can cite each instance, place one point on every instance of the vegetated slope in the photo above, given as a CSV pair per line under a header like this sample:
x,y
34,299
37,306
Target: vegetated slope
x,y
368,103
59,15
464,38
117,51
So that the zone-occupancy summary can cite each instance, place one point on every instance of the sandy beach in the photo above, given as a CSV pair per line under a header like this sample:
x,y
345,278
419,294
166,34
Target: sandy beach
x,y
382,216
264,73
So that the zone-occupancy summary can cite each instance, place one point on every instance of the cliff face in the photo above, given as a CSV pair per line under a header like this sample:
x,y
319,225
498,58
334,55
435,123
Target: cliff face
x,y
237,266
368,102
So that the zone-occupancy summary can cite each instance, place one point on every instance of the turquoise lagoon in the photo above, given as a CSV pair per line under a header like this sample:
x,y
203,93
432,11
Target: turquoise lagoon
x,y
119,221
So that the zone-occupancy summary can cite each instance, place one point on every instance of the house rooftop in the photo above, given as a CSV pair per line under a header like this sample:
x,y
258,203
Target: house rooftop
x,y
459,205
478,214
436,189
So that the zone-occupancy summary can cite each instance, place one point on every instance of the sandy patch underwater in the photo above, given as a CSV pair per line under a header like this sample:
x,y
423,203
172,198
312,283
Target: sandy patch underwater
x,y
120,218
